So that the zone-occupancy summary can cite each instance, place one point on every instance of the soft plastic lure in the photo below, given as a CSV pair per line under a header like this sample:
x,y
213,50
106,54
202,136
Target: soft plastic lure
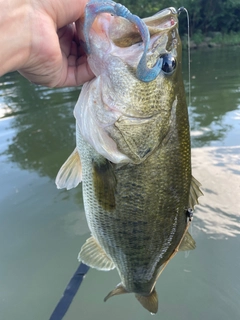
x,y
94,7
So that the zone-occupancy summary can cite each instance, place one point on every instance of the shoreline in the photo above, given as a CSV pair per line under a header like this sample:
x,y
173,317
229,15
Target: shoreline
x,y
211,40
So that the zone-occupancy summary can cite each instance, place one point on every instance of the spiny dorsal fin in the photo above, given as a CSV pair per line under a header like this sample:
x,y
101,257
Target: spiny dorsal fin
x,y
118,290
195,193
149,302
188,243
93,255
70,173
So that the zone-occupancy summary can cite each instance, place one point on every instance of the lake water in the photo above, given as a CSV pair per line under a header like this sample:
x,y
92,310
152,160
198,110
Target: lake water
x,y
42,229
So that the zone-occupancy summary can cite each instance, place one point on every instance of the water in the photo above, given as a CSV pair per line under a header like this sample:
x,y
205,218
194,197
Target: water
x,y
42,228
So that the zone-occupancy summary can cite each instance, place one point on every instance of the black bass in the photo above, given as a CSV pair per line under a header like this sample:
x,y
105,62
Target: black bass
x,y
133,154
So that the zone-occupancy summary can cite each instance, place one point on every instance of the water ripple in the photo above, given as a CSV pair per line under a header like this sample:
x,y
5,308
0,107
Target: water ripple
x,y
218,170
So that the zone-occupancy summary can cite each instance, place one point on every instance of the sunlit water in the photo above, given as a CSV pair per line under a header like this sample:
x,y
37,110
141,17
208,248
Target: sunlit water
x,y
42,229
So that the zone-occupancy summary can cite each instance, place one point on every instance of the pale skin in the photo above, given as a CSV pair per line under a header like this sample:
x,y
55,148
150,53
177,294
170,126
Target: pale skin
x,y
38,39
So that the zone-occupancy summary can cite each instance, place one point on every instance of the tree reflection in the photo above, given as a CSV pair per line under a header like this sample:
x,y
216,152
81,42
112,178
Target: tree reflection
x,y
43,123
215,92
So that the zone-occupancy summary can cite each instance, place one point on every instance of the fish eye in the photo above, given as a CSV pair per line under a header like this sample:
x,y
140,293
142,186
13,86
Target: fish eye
x,y
168,64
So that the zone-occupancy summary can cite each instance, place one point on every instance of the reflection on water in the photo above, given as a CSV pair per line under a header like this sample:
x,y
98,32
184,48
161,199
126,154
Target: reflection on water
x,y
219,213
215,104
42,121
42,228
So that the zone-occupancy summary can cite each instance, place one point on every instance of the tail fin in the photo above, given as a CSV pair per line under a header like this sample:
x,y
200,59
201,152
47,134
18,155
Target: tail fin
x,y
149,302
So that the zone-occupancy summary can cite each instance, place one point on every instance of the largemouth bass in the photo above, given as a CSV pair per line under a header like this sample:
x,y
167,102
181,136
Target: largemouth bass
x,y
133,154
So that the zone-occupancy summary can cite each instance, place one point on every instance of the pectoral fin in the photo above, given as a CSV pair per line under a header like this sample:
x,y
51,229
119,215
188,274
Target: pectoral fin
x,y
70,174
93,255
188,243
104,182
195,192
149,302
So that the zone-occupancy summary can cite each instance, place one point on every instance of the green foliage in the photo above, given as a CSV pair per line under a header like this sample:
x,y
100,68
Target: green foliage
x,y
197,37
230,39
205,15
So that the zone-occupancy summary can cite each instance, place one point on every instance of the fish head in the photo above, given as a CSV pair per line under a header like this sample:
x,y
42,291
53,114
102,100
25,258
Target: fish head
x,y
116,101
114,36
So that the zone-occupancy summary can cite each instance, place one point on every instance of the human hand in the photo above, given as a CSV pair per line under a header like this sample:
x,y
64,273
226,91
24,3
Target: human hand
x,y
43,43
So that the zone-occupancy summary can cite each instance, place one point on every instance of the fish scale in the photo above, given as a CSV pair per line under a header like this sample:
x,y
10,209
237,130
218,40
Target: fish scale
x,y
133,205
133,155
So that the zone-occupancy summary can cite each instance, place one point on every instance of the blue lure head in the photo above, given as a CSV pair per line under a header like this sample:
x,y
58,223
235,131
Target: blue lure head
x,y
94,7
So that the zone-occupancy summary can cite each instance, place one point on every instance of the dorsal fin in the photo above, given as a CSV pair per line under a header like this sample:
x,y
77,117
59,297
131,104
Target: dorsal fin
x,y
149,302
195,193
93,255
70,173
118,290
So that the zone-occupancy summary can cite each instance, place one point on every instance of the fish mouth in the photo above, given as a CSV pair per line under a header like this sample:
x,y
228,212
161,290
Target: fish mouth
x,y
144,72
116,36
124,34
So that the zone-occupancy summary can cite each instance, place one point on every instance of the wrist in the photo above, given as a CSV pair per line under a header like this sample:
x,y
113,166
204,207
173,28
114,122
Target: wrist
x,y
15,34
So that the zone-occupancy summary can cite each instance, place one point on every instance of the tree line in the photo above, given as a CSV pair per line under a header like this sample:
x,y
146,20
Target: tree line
x,y
205,15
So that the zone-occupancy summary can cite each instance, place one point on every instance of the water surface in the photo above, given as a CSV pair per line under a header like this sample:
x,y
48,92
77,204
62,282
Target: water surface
x,y
42,229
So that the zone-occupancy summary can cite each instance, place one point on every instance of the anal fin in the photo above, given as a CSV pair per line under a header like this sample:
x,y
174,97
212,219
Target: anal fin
x,y
118,290
187,243
70,173
149,302
93,255
195,193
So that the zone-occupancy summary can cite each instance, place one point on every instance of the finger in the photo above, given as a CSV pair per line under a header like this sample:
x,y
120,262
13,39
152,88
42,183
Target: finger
x,y
84,72
72,58
76,75
66,36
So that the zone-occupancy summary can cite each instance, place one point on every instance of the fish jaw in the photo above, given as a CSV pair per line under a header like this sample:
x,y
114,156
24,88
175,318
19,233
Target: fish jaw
x,y
102,48
108,34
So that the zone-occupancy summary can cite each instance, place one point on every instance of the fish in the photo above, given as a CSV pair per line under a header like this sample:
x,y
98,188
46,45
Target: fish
x,y
133,154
